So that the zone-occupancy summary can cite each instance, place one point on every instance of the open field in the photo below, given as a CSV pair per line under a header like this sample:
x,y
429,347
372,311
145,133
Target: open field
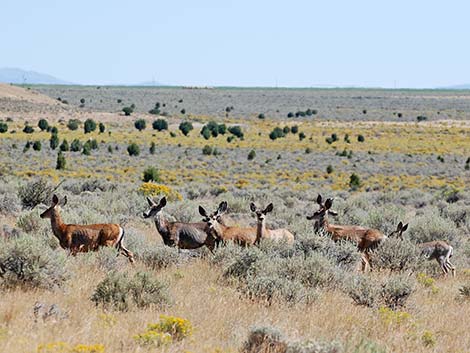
x,y
410,171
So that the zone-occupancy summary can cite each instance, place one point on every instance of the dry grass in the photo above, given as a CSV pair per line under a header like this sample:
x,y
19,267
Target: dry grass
x,y
222,319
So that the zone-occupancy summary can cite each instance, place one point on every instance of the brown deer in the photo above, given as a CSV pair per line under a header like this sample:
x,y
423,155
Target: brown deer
x,y
83,238
240,236
437,250
280,234
366,239
181,235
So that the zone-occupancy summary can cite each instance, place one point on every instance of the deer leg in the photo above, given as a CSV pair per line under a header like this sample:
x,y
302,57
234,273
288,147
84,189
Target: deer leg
x,y
127,253
441,262
449,264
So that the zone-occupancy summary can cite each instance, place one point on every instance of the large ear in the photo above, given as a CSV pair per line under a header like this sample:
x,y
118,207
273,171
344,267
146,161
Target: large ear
x,y
150,201
269,208
64,202
328,203
319,199
405,227
399,226
202,211
163,202
55,199
222,208
252,207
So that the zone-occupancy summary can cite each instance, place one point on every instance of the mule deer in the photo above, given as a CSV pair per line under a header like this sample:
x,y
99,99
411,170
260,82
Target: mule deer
x,y
366,239
84,238
179,234
240,236
262,232
438,250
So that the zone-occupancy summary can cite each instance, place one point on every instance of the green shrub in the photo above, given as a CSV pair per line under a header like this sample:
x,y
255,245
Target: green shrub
x,y
329,169
396,291
354,182
276,133
395,255
43,124
89,126
151,174
205,132
160,125
158,257
360,138
3,127
29,263
152,148
294,129
37,145
76,145
102,128
64,146
185,127
128,110
363,290
73,124
61,162
207,150
54,141
290,115
251,155
421,118
261,116
302,136
140,124
133,149
86,150
236,131
120,291
155,110
183,111
28,129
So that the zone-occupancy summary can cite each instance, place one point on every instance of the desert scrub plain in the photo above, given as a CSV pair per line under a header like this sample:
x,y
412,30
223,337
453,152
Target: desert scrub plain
x,y
307,297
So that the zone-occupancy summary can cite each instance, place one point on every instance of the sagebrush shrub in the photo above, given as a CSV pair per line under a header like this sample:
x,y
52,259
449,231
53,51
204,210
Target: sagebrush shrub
x,y
35,192
120,291
263,340
431,226
395,255
29,263
396,291
363,290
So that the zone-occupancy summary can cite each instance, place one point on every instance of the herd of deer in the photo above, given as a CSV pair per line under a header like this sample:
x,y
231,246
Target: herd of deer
x,y
212,231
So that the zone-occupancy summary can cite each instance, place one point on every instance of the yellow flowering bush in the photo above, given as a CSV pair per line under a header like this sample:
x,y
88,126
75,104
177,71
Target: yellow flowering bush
x,y
169,329
391,317
177,327
153,190
62,347
427,282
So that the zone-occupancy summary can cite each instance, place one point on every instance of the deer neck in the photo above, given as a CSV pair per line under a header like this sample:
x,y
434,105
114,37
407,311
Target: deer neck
x,y
260,229
58,227
322,224
162,224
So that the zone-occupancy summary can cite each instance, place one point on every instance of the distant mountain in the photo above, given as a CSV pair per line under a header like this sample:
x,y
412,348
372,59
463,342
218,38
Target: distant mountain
x,y
465,86
19,76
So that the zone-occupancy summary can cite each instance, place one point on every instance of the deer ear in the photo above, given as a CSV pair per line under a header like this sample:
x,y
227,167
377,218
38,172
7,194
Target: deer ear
x,y
150,201
319,199
222,207
269,208
55,199
163,202
328,203
399,226
202,211
252,207
405,227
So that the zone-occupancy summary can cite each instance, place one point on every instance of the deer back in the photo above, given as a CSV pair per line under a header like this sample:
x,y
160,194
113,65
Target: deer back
x,y
365,238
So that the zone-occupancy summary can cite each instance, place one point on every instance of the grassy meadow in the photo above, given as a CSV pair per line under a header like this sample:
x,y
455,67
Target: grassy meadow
x,y
365,148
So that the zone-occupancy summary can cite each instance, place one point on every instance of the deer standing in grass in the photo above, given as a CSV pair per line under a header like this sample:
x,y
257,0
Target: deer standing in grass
x,y
179,234
241,236
280,234
437,250
366,239
84,238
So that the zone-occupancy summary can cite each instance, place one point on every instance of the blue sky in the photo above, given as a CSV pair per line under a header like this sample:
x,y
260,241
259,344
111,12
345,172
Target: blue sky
x,y
242,43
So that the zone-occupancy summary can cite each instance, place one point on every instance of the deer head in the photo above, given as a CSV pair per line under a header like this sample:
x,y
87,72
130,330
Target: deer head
x,y
399,231
261,214
325,209
54,209
154,208
214,220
